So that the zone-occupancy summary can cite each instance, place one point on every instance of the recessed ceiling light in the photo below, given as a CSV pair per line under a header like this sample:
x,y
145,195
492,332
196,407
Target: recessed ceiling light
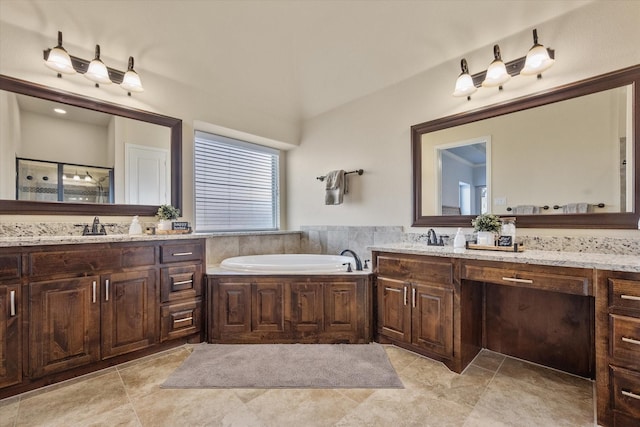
x,y
60,111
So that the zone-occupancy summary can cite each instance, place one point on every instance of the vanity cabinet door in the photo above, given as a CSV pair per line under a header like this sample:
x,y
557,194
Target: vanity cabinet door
x,y
341,307
307,308
267,307
128,312
10,336
432,318
232,309
64,324
394,311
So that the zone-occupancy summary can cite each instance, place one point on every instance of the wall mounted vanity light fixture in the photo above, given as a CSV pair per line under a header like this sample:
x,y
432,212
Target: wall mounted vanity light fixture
x,y
60,61
538,59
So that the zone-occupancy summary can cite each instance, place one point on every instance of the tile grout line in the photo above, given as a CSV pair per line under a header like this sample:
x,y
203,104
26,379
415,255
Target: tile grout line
x,y
124,386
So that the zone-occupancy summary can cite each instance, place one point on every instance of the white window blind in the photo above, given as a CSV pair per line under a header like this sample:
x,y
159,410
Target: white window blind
x,y
236,185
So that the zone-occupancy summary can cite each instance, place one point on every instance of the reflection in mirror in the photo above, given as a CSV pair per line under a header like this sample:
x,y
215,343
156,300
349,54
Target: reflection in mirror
x,y
50,131
462,179
565,158
142,151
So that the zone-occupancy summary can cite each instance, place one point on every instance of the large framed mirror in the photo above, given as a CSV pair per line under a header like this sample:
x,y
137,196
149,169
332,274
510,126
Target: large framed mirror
x,y
564,158
129,144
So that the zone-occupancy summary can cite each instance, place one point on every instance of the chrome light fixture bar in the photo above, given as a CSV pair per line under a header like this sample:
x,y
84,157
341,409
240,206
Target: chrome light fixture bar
x,y
95,70
537,60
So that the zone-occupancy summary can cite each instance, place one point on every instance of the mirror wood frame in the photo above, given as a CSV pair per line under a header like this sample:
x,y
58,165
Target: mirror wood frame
x,y
25,207
627,76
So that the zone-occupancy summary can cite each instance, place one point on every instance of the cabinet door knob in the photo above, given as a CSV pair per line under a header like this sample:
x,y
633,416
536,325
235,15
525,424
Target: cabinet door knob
x,y
93,298
413,297
631,297
405,296
106,291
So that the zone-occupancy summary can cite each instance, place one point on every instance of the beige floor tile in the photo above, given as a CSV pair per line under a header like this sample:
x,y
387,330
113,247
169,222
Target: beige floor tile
x,y
301,407
74,404
248,394
122,416
147,376
182,407
9,411
436,381
406,407
399,357
522,394
356,394
489,360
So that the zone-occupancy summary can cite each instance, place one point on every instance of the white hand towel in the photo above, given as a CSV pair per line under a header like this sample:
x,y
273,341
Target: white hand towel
x,y
335,187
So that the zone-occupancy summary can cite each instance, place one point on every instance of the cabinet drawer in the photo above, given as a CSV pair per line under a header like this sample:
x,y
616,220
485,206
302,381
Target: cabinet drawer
x,y
181,282
10,266
624,345
625,389
92,259
181,319
525,278
410,269
191,251
624,294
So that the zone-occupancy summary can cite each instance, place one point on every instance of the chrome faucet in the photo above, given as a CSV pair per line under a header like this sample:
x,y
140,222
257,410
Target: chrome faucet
x,y
355,257
432,238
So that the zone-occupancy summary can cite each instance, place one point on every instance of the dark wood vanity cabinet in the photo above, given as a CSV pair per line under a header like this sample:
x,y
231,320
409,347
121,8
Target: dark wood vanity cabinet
x,y
11,318
249,309
71,309
618,348
181,280
415,304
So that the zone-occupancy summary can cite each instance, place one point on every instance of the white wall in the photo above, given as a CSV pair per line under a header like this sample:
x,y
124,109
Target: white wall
x,y
373,133
9,138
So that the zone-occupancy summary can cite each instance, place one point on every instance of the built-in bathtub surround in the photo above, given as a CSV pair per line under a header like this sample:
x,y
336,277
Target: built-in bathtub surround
x,y
334,239
231,245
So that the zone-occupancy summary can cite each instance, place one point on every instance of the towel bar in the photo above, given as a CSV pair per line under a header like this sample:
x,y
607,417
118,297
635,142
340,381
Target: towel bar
x,y
358,171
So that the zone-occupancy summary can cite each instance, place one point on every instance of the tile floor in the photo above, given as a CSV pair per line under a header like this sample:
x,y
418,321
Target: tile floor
x,y
493,391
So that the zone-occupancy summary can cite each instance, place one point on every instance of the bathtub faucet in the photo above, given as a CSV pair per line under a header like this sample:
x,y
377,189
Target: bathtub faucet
x,y
355,257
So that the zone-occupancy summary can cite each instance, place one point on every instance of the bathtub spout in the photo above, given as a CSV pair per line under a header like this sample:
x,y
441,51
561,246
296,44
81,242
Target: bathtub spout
x,y
355,257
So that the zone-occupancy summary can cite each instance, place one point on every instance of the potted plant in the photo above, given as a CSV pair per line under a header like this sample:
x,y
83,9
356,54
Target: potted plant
x,y
487,226
166,214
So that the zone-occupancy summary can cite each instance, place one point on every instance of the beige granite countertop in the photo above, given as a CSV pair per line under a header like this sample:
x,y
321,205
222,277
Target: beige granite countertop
x,y
630,263
110,238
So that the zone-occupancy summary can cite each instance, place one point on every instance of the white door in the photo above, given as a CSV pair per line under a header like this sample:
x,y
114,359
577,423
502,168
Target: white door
x,y
147,175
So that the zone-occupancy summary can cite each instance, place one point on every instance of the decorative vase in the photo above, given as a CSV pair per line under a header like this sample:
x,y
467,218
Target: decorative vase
x,y
486,238
164,225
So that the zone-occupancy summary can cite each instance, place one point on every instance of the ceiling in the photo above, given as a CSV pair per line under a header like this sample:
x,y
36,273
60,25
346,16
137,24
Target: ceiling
x,y
293,58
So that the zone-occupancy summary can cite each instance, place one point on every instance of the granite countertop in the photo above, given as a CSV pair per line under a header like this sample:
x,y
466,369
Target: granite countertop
x,y
72,240
111,238
630,263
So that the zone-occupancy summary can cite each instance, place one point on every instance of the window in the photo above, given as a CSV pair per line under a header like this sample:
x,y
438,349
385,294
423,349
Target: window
x,y
236,185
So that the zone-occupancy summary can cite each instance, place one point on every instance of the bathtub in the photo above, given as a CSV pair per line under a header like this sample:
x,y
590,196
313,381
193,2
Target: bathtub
x,y
288,264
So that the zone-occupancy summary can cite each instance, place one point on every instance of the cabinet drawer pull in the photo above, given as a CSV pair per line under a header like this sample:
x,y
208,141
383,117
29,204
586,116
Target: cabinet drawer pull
x,y
182,253
106,292
12,307
405,296
513,279
93,298
630,394
186,319
413,297
184,282
631,341
631,297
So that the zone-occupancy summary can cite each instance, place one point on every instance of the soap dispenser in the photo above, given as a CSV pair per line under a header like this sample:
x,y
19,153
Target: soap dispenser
x,y
135,227
459,242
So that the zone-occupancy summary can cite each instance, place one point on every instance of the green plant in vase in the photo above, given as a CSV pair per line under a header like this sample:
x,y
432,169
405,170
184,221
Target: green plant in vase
x,y
166,214
487,226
